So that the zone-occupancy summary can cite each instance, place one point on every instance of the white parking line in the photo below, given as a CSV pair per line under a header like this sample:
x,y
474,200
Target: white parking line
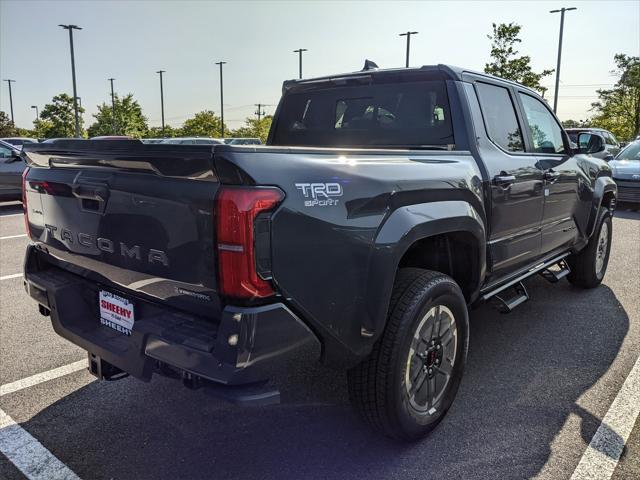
x,y
13,236
601,456
20,447
42,377
28,454
7,277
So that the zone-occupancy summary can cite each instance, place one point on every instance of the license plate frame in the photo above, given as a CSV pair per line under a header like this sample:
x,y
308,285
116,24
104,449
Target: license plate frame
x,y
116,312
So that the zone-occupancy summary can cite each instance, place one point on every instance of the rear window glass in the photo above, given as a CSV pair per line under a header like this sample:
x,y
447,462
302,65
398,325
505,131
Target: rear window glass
x,y
500,117
409,114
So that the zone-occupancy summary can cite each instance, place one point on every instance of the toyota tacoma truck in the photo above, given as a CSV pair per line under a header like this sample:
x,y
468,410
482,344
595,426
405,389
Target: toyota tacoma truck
x,y
385,204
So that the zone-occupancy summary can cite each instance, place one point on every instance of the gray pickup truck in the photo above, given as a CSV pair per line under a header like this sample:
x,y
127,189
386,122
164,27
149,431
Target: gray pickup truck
x,y
384,205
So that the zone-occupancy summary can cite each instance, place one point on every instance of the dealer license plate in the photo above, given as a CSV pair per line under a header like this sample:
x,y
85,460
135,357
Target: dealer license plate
x,y
116,312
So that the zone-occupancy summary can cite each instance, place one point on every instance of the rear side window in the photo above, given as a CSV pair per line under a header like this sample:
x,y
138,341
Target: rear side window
x,y
409,114
500,117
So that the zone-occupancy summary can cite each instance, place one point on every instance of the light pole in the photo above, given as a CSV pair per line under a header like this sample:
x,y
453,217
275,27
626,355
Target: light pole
x,y
408,35
10,98
221,100
260,111
37,114
113,107
161,99
299,52
71,28
555,96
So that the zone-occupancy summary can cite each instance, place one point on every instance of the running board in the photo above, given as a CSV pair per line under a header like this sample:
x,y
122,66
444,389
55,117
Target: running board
x,y
554,275
506,304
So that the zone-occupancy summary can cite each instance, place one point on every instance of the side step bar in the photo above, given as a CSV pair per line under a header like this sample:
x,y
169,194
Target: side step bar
x,y
552,270
554,275
506,305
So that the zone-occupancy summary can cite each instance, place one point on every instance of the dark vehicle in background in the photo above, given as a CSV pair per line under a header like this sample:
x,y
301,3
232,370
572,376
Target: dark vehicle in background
x,y
626,173
53,140
192,141
12,165
384,205
19,141
610,143
242,141
152,140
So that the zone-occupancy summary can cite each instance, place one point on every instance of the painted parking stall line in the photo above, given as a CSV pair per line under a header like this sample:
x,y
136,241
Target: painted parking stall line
x,y
42,377
13,236
8,277
601,457
28,455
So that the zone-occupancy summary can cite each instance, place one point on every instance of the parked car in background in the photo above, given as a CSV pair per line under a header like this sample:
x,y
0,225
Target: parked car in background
x,y
626,173
611,144
53,140
11,167
112,137
152,140
242,141
19,141
193,141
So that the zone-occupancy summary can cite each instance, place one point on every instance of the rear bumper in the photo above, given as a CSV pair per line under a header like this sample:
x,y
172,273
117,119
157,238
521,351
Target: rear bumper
x,y
244,346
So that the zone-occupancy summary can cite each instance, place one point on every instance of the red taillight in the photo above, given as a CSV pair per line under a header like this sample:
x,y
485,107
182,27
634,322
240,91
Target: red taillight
x,y
236,211
24,201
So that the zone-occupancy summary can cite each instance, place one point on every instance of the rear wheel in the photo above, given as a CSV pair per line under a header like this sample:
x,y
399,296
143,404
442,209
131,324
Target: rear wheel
x,y
410,379
590,264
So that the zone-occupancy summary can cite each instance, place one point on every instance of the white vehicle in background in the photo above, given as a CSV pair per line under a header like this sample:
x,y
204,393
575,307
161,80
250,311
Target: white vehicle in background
x,y
193,141
626,173
19,141
242,141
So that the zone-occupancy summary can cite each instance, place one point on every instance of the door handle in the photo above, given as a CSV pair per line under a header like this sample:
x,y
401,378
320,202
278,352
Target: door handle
x,y
504,180
551,175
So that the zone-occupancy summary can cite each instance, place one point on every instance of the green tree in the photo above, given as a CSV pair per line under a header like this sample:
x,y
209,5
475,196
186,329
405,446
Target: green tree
x,y
57,118
7,128
505,62
254,128
618,109
575,123
203,124
129,119
156,132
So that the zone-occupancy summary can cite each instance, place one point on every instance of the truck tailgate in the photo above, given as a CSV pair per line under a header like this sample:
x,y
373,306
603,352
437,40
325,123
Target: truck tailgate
x,y
137,219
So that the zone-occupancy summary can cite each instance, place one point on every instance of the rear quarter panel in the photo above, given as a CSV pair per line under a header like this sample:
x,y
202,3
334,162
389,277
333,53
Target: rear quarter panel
x,y
323,253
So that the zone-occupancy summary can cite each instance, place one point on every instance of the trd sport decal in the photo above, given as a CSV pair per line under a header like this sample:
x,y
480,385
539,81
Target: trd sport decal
x,y
320,194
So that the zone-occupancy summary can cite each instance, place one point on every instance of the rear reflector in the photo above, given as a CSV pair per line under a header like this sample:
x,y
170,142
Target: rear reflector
x,y
24,201
236,211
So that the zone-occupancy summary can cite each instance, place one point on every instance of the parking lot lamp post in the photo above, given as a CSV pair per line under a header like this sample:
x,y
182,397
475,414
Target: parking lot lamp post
x,y
37,114
221,101
71,28
408,35
10,98
555,95
113,107
161,99
299,52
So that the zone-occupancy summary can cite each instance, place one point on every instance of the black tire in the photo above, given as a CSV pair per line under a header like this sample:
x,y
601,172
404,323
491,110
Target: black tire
x,y
378,386
586,271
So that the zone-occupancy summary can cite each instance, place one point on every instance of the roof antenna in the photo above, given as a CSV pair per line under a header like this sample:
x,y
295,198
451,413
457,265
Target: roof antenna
x,y
369,65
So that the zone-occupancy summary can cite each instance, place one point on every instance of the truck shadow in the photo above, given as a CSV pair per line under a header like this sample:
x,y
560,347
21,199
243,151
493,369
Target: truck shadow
x,y
10,208
524,375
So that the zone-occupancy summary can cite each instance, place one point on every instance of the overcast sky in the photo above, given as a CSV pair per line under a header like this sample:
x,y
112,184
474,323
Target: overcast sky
x,y
132,40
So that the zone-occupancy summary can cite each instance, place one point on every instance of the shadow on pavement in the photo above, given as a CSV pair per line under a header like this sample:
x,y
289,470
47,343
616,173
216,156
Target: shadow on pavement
x,y
10,208
525,372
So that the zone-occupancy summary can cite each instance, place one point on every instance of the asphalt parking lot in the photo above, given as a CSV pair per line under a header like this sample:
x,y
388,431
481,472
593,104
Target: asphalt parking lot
x,y
538,384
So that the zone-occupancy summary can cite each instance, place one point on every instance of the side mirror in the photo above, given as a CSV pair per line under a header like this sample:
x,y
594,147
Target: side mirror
x,y
14,157
590,143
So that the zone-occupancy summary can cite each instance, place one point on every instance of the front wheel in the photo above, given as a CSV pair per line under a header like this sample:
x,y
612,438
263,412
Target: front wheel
x,y
590,264
410,379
